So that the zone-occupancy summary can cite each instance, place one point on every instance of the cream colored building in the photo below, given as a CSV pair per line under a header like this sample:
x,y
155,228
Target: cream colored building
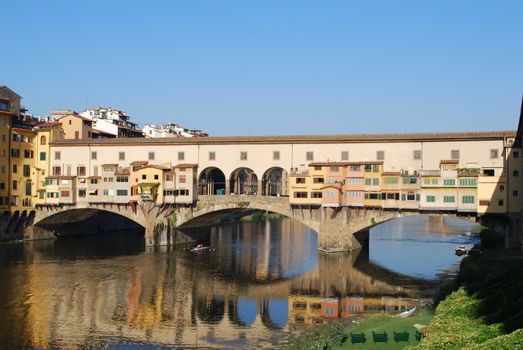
x,y
224,162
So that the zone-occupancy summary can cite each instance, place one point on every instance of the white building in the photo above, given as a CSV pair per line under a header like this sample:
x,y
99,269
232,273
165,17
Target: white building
x,y
112,121
170,130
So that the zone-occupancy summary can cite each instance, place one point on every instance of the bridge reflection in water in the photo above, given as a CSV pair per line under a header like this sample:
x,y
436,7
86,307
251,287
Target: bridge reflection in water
x,y
263,277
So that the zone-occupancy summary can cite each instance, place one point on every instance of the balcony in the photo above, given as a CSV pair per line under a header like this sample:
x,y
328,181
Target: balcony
x,y
430,172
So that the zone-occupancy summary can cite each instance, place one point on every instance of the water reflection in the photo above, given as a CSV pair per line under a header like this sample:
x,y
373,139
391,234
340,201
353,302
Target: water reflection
x,y
262,278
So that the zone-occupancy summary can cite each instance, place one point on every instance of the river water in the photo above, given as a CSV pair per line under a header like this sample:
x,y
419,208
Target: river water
x,y
263,281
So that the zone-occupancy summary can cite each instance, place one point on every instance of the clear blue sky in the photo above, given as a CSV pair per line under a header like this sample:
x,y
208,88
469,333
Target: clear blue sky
x,y
272,67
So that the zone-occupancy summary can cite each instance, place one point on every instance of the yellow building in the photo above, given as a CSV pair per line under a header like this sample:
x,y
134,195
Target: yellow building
x,y
151,182
372,179
22,167
45,134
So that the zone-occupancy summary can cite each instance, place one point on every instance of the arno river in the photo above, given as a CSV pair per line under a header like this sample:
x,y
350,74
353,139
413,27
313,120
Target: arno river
x,y
264,280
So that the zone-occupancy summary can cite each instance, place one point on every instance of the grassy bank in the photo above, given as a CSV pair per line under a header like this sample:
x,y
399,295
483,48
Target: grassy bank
x,y
486,310
336,335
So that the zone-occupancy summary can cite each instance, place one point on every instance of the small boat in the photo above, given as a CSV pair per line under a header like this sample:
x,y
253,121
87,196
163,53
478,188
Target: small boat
x,y
461,250
199,248
406,314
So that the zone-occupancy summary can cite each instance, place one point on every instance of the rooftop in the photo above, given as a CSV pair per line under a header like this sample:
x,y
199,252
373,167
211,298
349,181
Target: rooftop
x,y
349,138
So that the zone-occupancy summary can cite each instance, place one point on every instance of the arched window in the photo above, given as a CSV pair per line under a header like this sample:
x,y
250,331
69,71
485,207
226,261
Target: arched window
x,y
42,140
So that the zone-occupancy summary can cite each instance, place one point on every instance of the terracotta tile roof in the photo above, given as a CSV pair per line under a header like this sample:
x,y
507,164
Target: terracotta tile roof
x,y
451,161
77,116
328,164
391,173
305,139
159,167
110,164
139,162
186,165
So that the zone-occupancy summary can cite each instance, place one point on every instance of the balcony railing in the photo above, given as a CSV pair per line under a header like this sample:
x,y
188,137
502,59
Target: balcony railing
x,y
430,172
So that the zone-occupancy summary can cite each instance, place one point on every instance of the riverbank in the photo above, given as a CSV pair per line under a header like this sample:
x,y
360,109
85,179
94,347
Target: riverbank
x,y
485,310
337,335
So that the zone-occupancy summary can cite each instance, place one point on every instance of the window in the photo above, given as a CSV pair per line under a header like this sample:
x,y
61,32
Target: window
x,y
57,155
515,173
121,155
515,154
355,180
182,179
95,170
27,170
156,177
121,192
375,182
300,180
368,182
488,172
448,199
331,194
94,155
431,199
300,194
212,155
334,169
449,182
317,167
344,155
467,182
309,156
380,155
502,188
94,181
276,155
454,154
2,185
514,193
80,171
417,155
43,156
500,202
181,155
15,185
144,177
493,154
57,170
355,168
318,180
391,180
15,168
43,140
467,199
316,195
375,168
122,179
4,105
64,193
243,155
15,153
410,180
151,155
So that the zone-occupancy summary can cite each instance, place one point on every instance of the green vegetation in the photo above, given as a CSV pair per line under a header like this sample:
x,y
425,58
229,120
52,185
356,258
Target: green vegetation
x,y
486,310
337,336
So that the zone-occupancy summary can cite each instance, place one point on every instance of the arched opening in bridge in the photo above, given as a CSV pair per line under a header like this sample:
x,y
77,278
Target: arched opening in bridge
x,y
244,181
275,182
87,222
211,182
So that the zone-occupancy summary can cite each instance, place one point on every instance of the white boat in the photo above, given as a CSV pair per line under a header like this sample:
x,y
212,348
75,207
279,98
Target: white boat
x,y
198,249
406,314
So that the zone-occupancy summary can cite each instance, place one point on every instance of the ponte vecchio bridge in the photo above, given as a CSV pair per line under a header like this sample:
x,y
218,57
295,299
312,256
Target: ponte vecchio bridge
x,y
340,185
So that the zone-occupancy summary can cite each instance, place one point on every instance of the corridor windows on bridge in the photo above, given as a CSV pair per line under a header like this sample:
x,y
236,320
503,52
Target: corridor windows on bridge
x,y
417,154
212,155
454,154
151,156
94,155
309,156
300,195
243,155
181,155
344,155
276,155
380,155
494,154
121,155
57,155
